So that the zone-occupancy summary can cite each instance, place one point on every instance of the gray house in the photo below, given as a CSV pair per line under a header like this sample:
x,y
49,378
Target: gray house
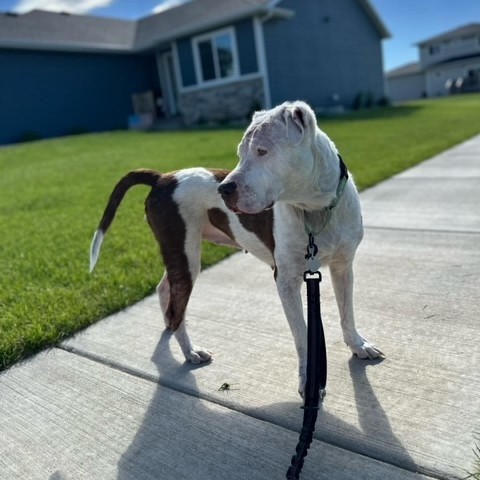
x,y
449,63
205,60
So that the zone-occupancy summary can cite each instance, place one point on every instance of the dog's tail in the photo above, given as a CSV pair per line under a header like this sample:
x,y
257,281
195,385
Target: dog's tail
x,y
135,177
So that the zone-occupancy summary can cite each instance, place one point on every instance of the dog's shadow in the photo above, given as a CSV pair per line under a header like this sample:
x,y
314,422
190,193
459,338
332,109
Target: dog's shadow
x,y
178,432
373,437
173,439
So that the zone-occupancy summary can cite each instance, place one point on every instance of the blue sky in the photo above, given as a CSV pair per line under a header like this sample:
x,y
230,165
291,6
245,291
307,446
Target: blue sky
x,y
409,21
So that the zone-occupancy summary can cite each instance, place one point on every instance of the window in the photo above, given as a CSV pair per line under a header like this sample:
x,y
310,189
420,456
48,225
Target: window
x,y
216,56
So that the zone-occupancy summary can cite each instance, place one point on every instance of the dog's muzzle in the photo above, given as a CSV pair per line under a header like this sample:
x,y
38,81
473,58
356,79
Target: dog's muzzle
x,y
229,193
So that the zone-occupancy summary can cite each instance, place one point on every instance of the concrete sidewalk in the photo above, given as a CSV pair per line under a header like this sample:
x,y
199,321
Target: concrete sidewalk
x,y
118,402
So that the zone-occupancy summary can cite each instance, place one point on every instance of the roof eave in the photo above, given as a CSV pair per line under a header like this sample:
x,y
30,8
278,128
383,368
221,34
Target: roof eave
x,y
458,59
280,13
64,47
398,73
445,36
375,18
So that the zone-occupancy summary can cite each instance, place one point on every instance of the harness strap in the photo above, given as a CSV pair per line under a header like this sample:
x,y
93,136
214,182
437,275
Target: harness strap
x,y
342,182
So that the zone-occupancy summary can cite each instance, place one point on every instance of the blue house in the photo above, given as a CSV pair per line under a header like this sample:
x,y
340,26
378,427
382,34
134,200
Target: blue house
x,y
205,60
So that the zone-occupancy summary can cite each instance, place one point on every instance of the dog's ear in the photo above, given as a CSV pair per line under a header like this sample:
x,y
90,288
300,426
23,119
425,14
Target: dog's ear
x,y
298,119
259,115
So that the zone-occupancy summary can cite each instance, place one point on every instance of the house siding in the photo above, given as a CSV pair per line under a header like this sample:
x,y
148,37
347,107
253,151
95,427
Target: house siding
x,y
449,49
436,76
247,56
329,49
50,94
406,87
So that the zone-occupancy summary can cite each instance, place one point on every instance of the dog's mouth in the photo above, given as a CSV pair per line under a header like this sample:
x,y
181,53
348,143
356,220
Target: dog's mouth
x,y
237,211
229,191
234,209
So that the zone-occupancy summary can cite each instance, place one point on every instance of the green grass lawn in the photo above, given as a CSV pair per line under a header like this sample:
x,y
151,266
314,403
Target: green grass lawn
x,y
52,195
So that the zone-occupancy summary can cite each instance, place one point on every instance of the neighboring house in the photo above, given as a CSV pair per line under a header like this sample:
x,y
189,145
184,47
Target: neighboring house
x,y
205,60
406,82
449,63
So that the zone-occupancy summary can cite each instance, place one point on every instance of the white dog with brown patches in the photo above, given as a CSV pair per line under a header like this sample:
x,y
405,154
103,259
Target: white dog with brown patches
x,y
290,178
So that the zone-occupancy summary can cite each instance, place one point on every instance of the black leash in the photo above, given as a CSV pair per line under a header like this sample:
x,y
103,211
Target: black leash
x,y
316,360
316,349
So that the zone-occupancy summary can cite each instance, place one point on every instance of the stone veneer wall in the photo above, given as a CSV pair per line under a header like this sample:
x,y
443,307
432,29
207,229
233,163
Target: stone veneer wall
x,y
235,101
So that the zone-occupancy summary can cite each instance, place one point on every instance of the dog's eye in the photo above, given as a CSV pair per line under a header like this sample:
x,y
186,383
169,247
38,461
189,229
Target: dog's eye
x,y
261,151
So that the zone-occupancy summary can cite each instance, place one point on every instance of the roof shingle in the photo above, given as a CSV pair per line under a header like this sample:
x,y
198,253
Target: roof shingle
x,y
59,31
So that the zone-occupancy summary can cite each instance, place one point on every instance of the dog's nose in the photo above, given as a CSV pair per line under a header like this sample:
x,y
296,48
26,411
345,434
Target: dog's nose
x,y
227,188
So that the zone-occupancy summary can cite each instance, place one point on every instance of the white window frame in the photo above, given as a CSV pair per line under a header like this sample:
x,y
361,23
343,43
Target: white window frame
x,y
198,65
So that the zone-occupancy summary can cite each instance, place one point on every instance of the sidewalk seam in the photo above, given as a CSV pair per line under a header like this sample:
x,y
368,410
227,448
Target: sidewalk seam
x,y
421,230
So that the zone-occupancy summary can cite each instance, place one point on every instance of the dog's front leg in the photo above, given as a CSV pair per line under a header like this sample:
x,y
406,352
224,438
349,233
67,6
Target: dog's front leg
x,y
342,280
288,288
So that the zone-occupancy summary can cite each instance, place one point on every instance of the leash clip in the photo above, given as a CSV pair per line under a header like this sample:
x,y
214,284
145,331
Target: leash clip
x,y
312,249
313,263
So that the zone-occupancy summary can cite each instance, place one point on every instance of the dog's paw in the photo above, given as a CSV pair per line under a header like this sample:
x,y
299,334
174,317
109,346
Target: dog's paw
x,y
366,350
198,355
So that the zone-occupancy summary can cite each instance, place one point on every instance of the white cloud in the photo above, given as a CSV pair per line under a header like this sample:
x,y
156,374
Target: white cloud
x,y
168,4
70,6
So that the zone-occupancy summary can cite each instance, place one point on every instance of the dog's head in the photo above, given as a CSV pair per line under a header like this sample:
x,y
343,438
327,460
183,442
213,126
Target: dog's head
x,y
275,158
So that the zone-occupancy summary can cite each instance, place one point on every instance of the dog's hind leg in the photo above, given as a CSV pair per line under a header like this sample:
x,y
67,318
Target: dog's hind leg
x,y
181,256
342,280
174,293
163,292
181,283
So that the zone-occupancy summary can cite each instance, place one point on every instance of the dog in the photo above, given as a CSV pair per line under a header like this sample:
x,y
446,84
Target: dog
x,y
290,178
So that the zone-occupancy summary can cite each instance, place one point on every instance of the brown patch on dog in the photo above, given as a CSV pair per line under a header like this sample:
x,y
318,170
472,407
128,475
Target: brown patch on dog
x,y
261,224
219,174
219,219
170,231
